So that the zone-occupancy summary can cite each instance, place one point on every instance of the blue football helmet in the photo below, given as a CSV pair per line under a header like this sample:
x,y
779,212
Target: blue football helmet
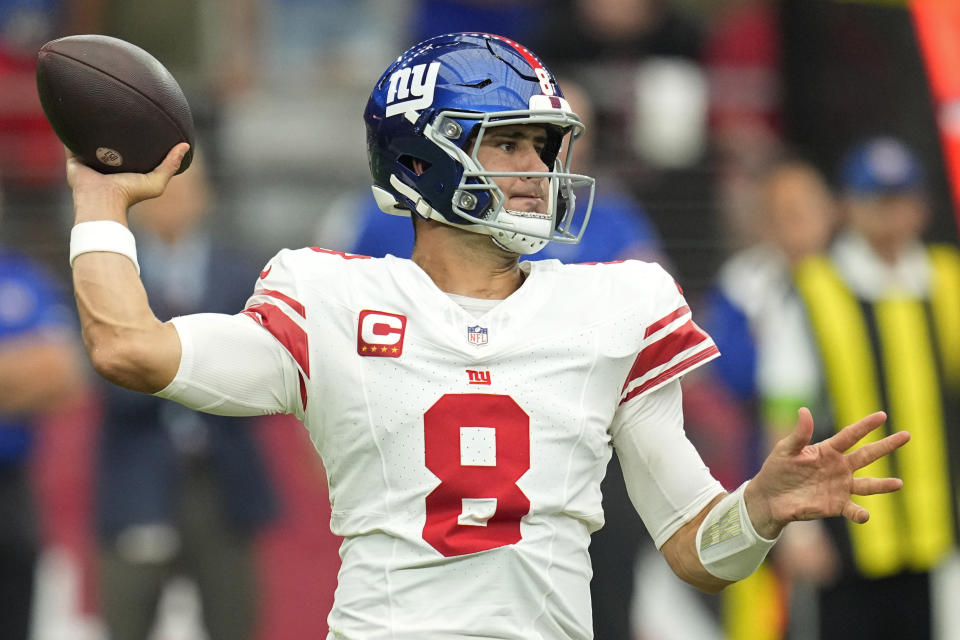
x,y
435,103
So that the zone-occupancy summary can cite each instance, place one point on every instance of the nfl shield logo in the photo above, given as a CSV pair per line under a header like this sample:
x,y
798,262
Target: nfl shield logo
x,y
477,335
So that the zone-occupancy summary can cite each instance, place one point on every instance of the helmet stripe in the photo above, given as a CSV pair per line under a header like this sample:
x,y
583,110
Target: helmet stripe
x,y
522,50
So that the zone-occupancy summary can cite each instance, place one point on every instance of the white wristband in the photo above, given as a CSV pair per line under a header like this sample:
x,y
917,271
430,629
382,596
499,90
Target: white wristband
x,y
728,545
103,235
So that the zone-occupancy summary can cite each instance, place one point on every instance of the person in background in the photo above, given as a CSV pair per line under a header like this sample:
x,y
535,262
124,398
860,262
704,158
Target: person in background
x,y
882,313
40,366
751,305
180,492
795,217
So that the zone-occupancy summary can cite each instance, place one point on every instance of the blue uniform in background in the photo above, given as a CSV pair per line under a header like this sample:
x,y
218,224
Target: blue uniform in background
x,y
31,302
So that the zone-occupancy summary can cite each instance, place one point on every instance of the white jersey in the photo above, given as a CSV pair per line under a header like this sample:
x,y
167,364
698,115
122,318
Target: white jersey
x,y
464,455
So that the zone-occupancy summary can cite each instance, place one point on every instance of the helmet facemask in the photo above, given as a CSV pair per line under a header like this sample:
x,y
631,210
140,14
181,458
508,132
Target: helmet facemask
x,y
481,202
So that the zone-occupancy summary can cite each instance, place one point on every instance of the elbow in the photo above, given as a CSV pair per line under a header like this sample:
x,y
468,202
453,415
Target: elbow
x,y
698,577
711,588
107,355
117,358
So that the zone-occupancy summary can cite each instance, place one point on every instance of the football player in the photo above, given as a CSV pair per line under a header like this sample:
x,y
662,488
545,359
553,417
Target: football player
x,y
465,404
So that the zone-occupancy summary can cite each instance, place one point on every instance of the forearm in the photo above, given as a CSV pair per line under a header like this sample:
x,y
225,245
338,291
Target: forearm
x,y
127,344
681,554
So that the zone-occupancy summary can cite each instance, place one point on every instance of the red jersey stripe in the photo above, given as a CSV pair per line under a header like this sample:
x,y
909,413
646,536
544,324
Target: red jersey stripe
x,y
665,349
673,371
303,391
342,254
288,332
665,320
296,306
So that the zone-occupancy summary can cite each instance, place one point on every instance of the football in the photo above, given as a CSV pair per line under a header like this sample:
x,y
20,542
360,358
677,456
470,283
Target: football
x,y
114,105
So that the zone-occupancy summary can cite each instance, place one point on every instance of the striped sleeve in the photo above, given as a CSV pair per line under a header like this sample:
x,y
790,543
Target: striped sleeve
x,y
672,345
276,306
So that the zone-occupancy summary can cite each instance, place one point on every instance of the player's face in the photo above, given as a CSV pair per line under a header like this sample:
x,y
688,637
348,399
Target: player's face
x,y
517,148
798,211
889,222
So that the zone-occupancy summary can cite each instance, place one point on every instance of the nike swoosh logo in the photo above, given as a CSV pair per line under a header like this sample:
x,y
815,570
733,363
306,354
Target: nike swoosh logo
x,y
265,272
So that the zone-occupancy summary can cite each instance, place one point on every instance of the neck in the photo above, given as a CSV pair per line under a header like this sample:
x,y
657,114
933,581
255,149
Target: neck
x,y
465,263
889,251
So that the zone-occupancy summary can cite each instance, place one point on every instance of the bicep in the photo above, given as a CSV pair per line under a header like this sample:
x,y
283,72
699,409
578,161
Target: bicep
x,y
230,365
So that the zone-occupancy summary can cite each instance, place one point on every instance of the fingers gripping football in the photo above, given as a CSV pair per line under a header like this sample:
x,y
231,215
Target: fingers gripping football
x,y
127,188
112,103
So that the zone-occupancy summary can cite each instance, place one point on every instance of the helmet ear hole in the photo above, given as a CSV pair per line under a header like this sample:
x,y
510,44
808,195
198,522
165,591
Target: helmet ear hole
x,y
418,165
552,149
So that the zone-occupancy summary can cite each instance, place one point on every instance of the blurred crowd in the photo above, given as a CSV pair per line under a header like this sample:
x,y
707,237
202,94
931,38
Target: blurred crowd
x,y
786,161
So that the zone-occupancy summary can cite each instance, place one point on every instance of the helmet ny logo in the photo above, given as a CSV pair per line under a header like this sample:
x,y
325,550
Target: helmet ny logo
x,y
411,88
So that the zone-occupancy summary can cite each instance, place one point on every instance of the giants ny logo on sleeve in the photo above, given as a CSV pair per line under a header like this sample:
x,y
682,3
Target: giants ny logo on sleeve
x,y
411,88
381,334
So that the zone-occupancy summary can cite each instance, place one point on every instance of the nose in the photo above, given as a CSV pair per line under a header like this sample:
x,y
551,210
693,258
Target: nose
x,y
531,160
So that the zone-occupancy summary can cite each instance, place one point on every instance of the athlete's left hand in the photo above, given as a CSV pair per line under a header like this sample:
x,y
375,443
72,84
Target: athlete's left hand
x,y
803,481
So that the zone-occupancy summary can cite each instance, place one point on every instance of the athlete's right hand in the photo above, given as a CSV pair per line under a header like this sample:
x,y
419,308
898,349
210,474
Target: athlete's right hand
x,y
118,189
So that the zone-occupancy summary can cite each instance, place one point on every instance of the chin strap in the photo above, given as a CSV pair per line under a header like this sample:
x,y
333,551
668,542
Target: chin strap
x,y
521,224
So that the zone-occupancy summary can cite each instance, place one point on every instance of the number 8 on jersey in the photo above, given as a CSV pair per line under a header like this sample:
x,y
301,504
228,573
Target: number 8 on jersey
x,y
478,446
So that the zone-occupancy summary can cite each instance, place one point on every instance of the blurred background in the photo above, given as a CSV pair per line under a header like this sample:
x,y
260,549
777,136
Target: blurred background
x,y
692,102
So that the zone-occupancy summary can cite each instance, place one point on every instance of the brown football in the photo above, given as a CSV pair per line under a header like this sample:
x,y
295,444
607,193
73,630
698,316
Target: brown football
x,y
112,104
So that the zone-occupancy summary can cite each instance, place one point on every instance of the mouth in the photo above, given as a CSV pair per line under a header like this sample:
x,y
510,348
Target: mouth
x,y
533,203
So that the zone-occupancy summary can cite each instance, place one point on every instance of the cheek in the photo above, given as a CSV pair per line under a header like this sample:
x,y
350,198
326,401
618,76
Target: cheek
x,y
864,220
506,184
489,159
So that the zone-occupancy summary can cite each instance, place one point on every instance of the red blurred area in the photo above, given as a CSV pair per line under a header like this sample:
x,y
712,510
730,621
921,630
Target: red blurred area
x,y
298,555
31,156
937,24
